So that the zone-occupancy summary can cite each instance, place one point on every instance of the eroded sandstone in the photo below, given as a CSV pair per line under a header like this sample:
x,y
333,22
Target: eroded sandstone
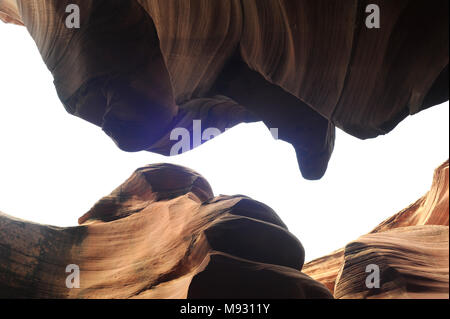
x,y
410,248
161,234
139,69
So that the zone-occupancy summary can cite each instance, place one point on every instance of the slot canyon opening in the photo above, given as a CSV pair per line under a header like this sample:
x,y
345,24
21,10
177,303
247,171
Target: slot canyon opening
x,y
55,166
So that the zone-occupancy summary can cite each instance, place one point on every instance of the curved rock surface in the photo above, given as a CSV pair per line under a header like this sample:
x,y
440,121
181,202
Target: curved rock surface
x,y
300,66
431,209
161,234
412,263
411,249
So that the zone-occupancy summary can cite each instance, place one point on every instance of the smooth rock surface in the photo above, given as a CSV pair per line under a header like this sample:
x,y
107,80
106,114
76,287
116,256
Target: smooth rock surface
x,y
139,69
412,264
161,234
411,249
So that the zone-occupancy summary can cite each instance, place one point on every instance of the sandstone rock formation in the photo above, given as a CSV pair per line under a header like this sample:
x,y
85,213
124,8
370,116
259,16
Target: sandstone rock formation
x,y
412,263
431,209
411,249
161,234
141,68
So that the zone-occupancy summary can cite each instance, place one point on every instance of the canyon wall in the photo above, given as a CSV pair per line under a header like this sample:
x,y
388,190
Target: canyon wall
x,y
161,234
300,66
410,248
142,69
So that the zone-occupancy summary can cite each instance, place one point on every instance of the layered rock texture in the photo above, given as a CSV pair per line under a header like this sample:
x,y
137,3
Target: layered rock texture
x,y
411,250
145,70
161,234
141,68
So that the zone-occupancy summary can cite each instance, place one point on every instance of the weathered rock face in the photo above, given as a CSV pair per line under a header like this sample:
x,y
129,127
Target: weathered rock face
x,y
325,269
431,209
411,250
412,262
141,69
161,234
300,66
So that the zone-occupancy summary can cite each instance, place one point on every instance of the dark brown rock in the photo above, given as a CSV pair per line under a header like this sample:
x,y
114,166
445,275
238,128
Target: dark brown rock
x,y
300,66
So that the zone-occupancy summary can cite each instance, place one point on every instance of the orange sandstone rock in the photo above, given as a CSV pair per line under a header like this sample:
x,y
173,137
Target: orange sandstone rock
x,y
410,248
161,234
412,262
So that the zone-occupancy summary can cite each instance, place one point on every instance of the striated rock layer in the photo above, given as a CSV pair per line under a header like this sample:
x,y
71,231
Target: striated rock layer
x,y
161,234
411,250
431,209
412,262
140,68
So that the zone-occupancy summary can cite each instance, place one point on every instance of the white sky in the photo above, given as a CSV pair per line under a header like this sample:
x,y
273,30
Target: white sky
x,y
54,166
